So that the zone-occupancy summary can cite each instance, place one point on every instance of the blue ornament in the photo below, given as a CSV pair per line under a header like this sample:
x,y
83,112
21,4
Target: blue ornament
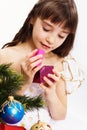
x,y
11,111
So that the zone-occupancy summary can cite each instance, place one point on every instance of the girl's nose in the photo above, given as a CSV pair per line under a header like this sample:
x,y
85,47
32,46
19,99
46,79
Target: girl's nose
x,y
51,39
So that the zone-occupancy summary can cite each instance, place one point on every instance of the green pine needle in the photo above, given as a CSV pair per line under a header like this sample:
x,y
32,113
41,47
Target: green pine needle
x,y
10,82
31,103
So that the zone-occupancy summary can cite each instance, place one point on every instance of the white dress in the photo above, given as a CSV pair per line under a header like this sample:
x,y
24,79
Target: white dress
x,y
73,77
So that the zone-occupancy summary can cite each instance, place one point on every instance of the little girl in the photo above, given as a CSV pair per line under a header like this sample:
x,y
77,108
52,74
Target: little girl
x,y
51,25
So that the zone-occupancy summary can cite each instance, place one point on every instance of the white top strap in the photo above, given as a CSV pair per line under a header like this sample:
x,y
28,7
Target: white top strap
x,y
72,74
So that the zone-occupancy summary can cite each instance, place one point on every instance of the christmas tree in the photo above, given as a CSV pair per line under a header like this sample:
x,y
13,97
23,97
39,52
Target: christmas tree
x,y
10,82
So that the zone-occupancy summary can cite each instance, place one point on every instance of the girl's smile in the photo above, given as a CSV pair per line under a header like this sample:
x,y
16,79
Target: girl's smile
x,y
45,46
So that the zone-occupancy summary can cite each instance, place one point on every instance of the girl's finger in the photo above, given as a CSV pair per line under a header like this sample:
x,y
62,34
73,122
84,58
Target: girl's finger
x,y
43,86
37,68
37,57
56,73
32,53
54,77
35,64
48,81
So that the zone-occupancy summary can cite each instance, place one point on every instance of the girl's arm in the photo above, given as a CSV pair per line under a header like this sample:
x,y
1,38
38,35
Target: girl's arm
x,y
56,98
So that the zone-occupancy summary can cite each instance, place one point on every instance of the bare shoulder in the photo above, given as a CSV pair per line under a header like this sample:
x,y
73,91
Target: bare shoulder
x,y
6,55
3,54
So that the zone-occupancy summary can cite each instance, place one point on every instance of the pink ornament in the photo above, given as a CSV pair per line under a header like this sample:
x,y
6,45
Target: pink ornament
x,y
40,51
44,71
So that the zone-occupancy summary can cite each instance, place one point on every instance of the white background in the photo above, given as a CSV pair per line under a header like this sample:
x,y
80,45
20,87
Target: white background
x,y
13,14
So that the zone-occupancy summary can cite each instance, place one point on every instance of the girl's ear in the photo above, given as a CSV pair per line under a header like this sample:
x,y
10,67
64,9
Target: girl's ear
x,y
32,21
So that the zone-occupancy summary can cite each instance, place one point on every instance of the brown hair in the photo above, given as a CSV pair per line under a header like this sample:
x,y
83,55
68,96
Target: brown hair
x,y
58,11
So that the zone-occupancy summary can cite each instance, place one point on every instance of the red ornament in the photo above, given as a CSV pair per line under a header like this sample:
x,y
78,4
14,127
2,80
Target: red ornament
x,y
8,127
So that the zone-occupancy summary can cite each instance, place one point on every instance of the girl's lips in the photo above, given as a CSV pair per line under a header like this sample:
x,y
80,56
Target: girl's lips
x,y
45,46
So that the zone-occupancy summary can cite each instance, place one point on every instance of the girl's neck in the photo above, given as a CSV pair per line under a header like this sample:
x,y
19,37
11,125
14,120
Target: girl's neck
x,y
28,45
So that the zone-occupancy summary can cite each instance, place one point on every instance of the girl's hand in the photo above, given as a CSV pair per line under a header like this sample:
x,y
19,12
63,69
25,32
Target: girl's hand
x,y
50,86
31,64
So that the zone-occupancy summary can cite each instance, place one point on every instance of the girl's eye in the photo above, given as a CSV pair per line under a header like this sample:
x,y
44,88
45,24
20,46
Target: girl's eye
x,y
61,36
46,29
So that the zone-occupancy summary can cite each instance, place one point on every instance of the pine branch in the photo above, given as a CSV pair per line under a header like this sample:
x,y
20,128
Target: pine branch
x,y
31,103
11,78
10,82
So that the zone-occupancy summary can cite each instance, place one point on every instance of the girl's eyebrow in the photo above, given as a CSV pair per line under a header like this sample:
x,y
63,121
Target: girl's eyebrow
x,y
48,23
66,31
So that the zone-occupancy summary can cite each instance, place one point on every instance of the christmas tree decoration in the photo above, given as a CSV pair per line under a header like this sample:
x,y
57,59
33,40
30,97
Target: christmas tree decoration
x,y
31,103
12,111
10,82
44,71
41,126
40,51
4,126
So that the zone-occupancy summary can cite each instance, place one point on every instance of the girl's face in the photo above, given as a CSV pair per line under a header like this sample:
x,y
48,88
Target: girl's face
x,y
47,35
